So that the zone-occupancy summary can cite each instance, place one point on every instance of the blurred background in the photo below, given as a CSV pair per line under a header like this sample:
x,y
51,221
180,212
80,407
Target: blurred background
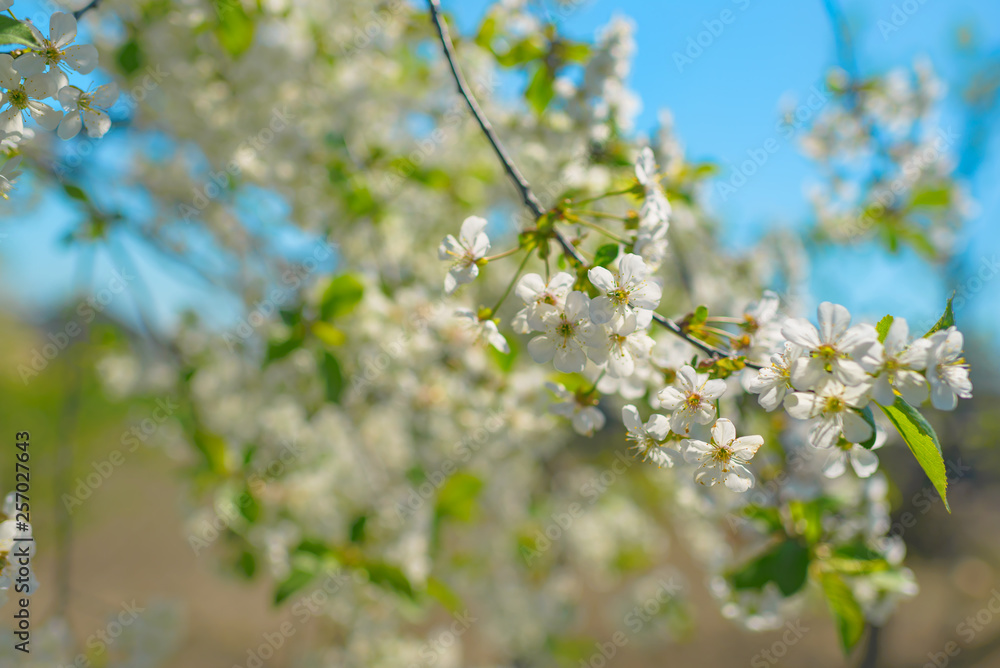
x,y
129,543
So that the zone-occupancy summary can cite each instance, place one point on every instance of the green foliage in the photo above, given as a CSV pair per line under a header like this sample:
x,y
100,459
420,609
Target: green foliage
x,y
787,565
883,328
922,441
130,57
235,29
13,31
540,90
457,497
341,296
605,255
847,614
866,413
333,378
946,320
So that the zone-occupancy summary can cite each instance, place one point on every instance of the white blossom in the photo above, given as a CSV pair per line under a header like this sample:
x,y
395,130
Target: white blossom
x,y
691,398
483,329
772,382
831,350
648,437
565,331
88,108
619,344
25,97
585,417
464,253
831,413
9,174
628,290
724,459
897,365
534,291
862,460
947,371
56,50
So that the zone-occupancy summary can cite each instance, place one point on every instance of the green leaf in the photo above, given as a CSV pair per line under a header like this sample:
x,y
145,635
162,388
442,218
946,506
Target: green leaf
x,y
75,192
787,565
541,90
605,255
235,29
883,328
130,57
700,315
358,529
866,413
931,197
922,441
389,577
341,296
575,52
844,607
946,320
13,31
295,581
457,497
524,51
444,595
333,378
246,564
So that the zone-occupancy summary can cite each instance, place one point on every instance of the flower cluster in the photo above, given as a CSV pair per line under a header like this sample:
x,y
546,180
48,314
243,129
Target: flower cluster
x,y
39,73
828,375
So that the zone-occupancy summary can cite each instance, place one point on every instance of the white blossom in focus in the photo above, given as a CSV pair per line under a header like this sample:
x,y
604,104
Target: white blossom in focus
x,y
648,437
830,351
630,289
566,332
897,364
534,291
947,371
831,412
772,382
464,253
87,109
25,97
724,459
691,398
56,50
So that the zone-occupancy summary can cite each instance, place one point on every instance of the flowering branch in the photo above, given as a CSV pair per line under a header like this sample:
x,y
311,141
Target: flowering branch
x,y
527,195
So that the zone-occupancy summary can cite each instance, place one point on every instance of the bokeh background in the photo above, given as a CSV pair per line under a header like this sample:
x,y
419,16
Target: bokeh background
x,y
128,542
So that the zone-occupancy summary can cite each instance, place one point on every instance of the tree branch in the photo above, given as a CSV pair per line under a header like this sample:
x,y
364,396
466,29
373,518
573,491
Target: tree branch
x,y
528,197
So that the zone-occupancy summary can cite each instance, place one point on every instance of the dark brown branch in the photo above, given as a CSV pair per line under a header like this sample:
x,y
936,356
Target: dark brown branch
x,y
529,198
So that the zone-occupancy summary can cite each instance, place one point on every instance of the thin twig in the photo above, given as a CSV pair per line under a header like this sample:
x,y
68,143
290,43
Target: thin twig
x,y
529,198
83,10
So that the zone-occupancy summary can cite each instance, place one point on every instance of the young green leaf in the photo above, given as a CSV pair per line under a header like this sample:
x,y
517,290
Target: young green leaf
x,y
13,31
945,321
341,296
605,255
866,413
235,28
883,328
333,377
541,89
846,612
787,565
922,441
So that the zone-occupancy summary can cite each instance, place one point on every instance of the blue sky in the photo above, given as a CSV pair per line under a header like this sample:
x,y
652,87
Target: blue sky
x,y
725,101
